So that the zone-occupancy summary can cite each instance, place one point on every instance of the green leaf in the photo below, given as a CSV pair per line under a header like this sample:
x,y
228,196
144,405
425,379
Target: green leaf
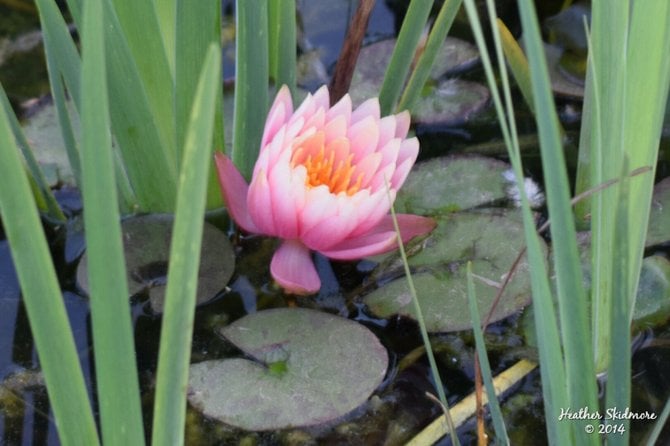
x,y
652,304
490,240
42,298
659,219
251,83
146,241
332,365
177,329
113,342
454,183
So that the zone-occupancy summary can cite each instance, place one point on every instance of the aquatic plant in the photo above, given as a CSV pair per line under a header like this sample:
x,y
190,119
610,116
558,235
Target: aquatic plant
x,y
319,184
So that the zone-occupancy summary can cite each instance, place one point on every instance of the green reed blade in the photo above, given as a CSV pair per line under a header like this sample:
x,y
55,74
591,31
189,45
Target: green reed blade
x,y
45,196
619,372
484,365
166,13
403,54
43,298
113,341
552,369
571,295
177,330
251,82
606,157
436,38
198,25
282,42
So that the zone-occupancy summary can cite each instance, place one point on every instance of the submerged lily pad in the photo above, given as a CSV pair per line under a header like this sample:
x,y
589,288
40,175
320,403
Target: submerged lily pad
x,y
490,240
453,183
652,305
659,218
146,243
307,368
562,82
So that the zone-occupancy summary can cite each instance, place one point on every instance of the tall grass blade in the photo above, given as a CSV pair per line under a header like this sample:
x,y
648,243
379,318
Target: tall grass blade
x,y
403,54
282,42
198,26
42,298
571,295
494,406
149,161
619,372
139,25
113,341
166,13
177,329
50,206
606,151
647,83
421,72
251,82
549,346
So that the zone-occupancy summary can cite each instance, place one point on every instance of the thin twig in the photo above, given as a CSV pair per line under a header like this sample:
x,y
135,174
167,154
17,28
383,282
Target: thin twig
x,y
344,70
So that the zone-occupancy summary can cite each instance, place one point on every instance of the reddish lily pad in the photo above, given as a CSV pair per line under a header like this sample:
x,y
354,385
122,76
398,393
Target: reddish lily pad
x,y
306,367
146,242
659,218
491,240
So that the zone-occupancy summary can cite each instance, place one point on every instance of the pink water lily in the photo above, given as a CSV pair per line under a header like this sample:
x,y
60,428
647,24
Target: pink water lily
x,y
320,184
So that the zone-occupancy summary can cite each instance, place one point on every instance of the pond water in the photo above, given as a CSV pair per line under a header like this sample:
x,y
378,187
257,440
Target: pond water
x,y
398,409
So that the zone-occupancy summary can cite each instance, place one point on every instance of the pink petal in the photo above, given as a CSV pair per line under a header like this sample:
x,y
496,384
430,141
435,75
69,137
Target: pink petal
x,y
368,109
402,121
333,230
293,269
390,152
409,149
382,238
387,130
400,174
234,190
287,196
363,246
372,210
367,167
342,108
336,128
364,136
322,98
259,203
319,205
281,109
410,225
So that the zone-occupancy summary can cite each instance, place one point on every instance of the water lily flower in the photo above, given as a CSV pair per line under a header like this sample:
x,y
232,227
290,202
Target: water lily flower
x,y
320,184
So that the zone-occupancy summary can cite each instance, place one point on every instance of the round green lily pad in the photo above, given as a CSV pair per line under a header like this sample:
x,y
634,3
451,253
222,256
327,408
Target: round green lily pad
x,y
452,183
652,305
455,56
146,243
306,367
562,82
491,240
451,102
659,217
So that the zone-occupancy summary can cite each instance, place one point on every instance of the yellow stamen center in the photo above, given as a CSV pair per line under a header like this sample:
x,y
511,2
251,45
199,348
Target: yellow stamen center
x,y
322,166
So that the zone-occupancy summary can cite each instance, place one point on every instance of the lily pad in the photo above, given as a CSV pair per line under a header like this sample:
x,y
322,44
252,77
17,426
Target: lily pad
x,y
453,183
451,102
659,218
43,132
652,305
306,367
454,57
146,242
562,82
491,240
